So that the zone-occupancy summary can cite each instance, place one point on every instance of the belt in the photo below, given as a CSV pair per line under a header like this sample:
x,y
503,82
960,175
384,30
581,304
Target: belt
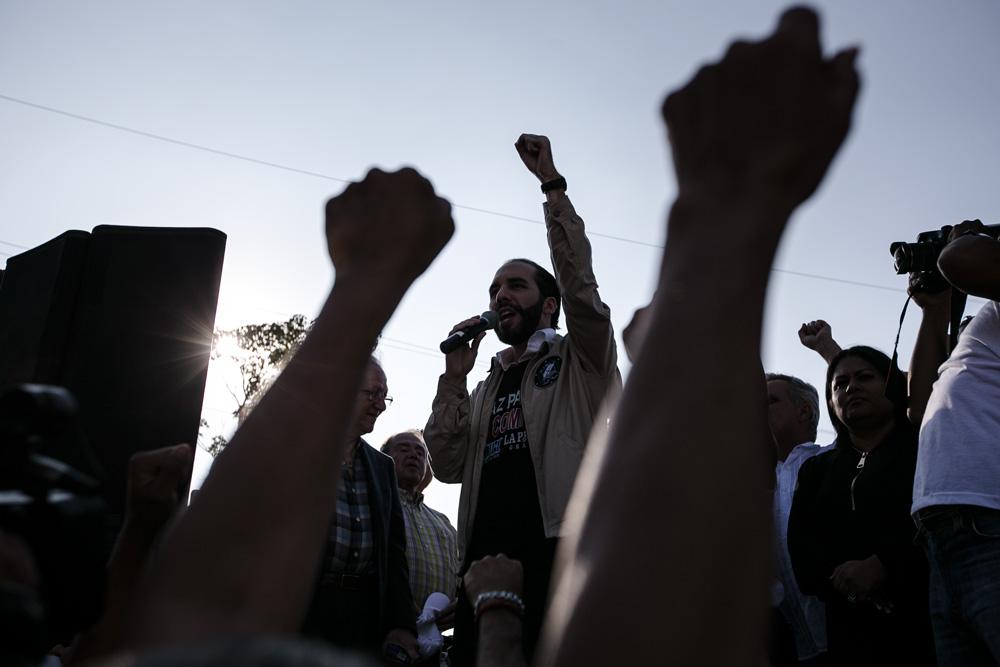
x,y
952,517
347,582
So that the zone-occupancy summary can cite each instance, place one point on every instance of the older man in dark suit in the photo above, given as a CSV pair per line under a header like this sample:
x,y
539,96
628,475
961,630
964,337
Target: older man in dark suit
x,y
363,596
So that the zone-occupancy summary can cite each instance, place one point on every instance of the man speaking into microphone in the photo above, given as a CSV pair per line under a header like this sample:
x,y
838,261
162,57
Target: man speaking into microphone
x,y
516,442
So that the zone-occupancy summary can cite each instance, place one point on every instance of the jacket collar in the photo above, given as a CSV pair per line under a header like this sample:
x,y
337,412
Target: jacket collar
x,y
538,339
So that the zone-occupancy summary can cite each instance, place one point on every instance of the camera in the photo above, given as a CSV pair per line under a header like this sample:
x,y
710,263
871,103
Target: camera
x,y
923,255
57,513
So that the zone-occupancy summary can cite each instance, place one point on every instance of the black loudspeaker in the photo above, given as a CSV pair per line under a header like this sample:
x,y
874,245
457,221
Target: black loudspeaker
x,y
123,318
37,301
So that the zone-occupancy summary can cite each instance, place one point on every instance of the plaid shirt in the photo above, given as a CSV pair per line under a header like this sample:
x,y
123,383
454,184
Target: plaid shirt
x,y
431,549
351,541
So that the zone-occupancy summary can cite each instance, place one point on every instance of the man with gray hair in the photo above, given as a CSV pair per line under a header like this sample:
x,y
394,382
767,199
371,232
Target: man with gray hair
x,y
431,544
793,415
431,540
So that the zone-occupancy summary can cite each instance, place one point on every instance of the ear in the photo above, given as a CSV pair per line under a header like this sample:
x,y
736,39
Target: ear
x,y
805,412
548,307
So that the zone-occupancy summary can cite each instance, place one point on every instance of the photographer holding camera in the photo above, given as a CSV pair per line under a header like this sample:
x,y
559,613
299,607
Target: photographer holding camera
x,y
956,490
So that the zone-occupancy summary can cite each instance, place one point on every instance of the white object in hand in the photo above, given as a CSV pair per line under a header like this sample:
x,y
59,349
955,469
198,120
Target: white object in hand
x,y
429,639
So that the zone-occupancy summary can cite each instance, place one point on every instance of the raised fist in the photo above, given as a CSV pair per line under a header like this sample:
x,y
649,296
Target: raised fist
x,y
459,362
389,226
764,123
493,573
536,153
816,334
154,482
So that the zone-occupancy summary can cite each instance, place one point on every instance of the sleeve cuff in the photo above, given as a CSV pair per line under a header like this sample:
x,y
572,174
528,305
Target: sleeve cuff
x,y
457,389
561,209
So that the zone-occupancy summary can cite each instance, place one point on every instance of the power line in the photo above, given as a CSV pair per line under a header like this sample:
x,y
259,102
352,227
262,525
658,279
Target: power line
x,y
396,344
590,232
169,140
407,349
15,245
386,341
276,165
328,177
857,283
397,341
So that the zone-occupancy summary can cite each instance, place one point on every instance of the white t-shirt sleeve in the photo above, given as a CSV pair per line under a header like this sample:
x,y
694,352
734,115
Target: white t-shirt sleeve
x,y
958,462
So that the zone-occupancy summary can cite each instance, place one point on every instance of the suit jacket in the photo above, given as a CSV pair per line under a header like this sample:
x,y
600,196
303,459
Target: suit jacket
x,y
395,601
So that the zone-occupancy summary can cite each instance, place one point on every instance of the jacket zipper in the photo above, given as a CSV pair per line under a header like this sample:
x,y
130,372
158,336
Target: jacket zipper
x,y
860,467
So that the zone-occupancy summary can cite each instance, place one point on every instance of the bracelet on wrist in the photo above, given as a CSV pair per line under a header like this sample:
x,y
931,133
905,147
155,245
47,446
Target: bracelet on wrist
x,y
498,600
554,184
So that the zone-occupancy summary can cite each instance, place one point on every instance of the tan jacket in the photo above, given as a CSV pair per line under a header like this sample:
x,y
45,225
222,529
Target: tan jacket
x,y
561,393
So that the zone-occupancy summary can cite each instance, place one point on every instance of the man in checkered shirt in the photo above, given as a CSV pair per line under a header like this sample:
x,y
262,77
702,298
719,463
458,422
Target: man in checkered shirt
x,y
362,599
431,540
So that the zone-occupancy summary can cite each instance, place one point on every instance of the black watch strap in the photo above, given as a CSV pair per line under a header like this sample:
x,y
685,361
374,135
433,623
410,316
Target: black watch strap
x,y
554,184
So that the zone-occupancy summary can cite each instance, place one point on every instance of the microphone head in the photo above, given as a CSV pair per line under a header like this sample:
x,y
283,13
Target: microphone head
x,y
491,318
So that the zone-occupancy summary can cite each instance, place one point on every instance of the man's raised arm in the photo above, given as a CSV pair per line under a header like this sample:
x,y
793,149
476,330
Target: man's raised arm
x,y
447,429
971,261
588,318
818,337
243,558
678,508
930,349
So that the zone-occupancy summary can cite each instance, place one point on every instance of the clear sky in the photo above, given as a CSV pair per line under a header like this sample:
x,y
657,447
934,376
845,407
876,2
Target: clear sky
x,y
334,88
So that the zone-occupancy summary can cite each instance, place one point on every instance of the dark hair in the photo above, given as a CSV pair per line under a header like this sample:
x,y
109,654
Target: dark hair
x,y
895,386
547,285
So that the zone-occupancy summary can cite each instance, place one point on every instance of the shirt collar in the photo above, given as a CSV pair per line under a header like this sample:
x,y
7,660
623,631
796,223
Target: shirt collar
x,y
412,497
539,338
799,451
352,454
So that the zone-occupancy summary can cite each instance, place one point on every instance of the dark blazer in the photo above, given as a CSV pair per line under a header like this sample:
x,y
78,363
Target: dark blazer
x,y
395,600
360,617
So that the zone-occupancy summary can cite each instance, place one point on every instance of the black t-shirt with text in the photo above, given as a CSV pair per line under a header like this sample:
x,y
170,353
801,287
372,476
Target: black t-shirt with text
x,y
508,517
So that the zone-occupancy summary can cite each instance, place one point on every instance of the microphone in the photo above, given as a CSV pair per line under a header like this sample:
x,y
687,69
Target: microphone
x,y
487,320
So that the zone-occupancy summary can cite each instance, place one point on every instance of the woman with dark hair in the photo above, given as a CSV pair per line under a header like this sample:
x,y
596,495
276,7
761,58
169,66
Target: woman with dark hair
x,y
850,535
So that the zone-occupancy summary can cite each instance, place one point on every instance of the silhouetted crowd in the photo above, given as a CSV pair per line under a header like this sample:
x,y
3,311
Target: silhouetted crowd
x,y
687,518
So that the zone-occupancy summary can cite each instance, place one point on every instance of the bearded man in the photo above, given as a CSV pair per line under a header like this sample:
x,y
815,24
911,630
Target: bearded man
x,y
517,441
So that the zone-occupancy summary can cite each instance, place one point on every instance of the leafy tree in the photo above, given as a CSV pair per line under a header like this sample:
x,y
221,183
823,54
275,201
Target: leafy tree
x,y
259,352
215,445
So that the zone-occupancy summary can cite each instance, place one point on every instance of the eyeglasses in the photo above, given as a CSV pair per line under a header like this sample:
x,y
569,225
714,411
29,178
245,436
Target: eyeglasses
x,y
374,396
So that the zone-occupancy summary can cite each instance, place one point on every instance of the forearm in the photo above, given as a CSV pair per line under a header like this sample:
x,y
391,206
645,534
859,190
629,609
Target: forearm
x,y
588,319
500,640
447,430
280,470
552,197
670,443
131,551
828,350
929,352
972,264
